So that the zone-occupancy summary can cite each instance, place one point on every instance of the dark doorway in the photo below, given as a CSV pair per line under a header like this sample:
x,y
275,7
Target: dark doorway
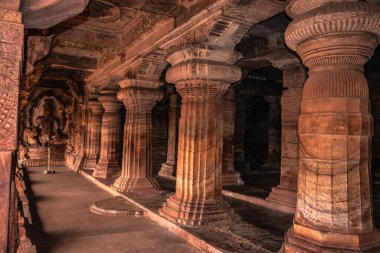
x,y
256,132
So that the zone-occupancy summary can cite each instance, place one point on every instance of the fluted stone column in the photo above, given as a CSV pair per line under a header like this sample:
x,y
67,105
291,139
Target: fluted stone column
x,y
167,168
139,98
96,110
201,77
110,135
229,175
334,208
294,77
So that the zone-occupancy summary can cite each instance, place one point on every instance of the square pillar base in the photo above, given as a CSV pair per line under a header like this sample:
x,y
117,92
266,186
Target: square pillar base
x,y
187,213
231,178
91,163
301,239
106,169
284,197
135,184
167,170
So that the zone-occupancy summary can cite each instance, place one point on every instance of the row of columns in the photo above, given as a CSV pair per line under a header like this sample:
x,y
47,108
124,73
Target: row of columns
x,y
334,128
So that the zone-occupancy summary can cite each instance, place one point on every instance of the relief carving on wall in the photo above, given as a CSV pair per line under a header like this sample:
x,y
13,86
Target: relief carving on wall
x,y
11,40
45,124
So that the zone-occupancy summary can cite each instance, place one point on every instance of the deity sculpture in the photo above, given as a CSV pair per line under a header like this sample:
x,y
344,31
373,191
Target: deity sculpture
x,y
31,137
48,126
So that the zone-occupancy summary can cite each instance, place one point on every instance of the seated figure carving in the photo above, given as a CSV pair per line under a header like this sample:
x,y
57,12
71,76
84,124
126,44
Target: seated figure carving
x,y
48,126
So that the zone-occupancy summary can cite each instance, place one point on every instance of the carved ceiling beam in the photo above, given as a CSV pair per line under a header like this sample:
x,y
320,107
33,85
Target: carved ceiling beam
x,y
148,68
223,24
74,58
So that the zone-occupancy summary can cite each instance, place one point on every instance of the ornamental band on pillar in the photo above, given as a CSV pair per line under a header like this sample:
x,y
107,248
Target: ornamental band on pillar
x,y
334,207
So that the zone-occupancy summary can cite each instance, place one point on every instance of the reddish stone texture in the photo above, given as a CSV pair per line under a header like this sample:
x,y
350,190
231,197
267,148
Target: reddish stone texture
x,y
168,168
5,196
110,135
96,110
126,42
334,206
198,196
229,175
43,14
294,77
11,50
138,97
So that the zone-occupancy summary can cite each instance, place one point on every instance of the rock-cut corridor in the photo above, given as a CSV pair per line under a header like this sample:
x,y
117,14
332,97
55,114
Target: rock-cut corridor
x,y
62,202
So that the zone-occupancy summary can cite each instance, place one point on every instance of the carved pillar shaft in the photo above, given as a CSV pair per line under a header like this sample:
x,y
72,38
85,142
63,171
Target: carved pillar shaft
x,y
201,78
239,137
95,127
334,207
229,175
110,135
294,77
11,51
274,136
139,98
168,167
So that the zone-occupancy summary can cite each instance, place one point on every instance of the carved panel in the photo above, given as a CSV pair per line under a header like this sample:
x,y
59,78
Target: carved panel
x,y
11,40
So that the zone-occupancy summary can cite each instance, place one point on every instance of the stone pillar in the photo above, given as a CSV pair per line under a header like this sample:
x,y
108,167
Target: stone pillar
x,y
167,168
239,137
11,53
201,77
274,136
139,98
229,175
334,203
95,125
294,77
110,135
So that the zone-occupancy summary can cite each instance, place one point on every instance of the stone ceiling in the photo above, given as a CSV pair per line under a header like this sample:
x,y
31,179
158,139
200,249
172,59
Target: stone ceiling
x,y
108,35
88,40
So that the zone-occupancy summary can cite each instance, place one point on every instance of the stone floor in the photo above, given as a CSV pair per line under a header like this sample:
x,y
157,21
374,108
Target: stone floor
x,y
254,229
63,221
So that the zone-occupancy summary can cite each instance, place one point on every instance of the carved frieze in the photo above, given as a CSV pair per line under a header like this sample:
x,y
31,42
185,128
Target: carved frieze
x,y
106,52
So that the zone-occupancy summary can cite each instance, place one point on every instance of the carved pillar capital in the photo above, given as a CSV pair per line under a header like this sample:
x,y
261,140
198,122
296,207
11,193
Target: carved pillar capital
x,y
339,34
109,100
334,39
95,106
202,73
139,95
